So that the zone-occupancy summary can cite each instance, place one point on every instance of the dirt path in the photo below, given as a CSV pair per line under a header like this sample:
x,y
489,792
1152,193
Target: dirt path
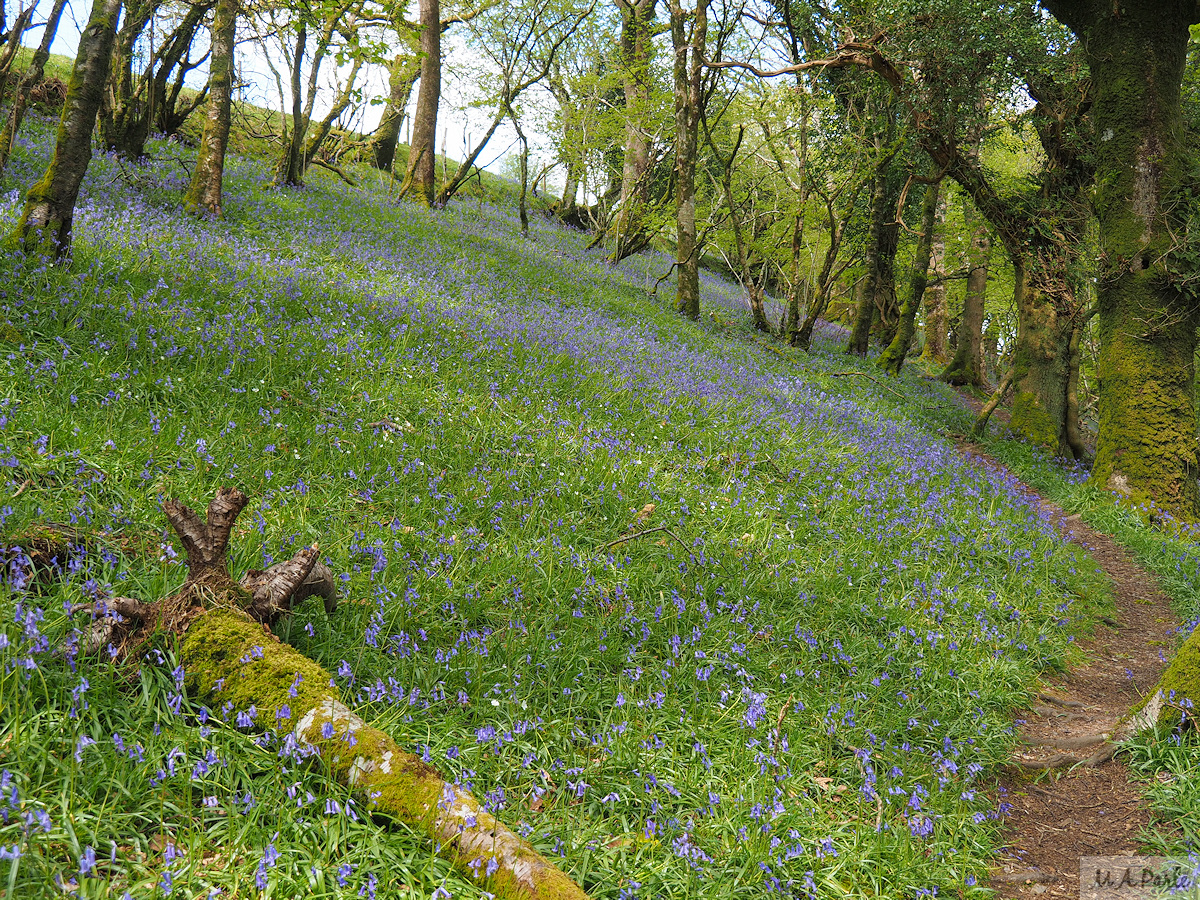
x,y
1090,810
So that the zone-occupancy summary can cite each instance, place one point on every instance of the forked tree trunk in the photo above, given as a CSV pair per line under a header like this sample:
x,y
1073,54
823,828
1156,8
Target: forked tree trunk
x,y
880,237
421,176
45,225
204,192
31,78
893,356
229,659
789,328
1137,53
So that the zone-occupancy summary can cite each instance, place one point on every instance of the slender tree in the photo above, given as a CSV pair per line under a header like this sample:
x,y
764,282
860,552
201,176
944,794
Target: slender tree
x,y
628,228
45,224
688,44
421,176
30,79
204,192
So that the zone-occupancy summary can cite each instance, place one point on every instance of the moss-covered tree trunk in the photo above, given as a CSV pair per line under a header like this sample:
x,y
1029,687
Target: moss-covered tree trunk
x,y
29,80
204,192
1137,52
402,77
230,660
1041,362
688,45
893,356
421,176
45,224
789,328
967,365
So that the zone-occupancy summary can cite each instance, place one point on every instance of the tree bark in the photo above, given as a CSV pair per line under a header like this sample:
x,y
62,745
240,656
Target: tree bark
x,y
688,97
936,314
402,76
893,356
967,365
881,236
1146,448
319,134
289,170
29,80
204,192
421,175
628,227
45,225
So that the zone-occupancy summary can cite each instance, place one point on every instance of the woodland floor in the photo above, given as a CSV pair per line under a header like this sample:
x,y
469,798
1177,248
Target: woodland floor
x,y
1062,814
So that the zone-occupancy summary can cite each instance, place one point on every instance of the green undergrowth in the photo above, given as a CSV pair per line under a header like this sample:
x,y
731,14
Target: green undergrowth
x,y
698,618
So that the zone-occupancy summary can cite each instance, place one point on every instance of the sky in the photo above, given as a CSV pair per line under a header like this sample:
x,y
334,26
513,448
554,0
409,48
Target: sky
x,y
458,121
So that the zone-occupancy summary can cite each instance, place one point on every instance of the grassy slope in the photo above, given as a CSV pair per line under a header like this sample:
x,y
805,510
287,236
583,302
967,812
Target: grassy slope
x,y
799,685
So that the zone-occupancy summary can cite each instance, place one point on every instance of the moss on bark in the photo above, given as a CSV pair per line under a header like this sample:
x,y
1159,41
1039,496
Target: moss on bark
x,y
232,663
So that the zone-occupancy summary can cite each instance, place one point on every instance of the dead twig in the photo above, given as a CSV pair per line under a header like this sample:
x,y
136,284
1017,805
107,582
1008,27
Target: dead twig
x,y
641,534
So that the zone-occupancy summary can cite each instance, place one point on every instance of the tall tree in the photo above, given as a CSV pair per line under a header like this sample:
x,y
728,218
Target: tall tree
x,y
421,176
45,224
688,43
628,229
1147,298
204,192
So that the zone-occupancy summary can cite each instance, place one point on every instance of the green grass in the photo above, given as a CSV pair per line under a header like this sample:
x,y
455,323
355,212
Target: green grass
x,y
801,684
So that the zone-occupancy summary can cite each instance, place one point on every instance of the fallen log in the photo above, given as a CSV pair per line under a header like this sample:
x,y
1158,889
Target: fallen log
x,y
233,661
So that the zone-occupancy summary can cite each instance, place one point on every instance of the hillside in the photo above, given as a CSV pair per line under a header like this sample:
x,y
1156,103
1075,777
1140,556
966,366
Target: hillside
x,y
698,616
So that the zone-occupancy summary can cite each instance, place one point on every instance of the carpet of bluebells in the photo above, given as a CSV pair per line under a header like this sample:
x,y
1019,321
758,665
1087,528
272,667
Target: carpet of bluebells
x,y
698,618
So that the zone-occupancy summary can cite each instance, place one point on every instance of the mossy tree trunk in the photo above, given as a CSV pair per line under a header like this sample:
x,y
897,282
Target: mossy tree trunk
x,y
1147,442
402,77
45,224
229,659
320,133
204,192
893,356
421,176
30,79
967,365
688,45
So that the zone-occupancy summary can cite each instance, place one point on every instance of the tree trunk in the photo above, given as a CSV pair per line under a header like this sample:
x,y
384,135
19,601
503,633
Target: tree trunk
x,y
1147,443
402,76
628,227
204,192
860,334
289,170
313,146
892,358
45,225
9,53
936,312
1042,358
967,365
421,176
789,328
31,78
688,74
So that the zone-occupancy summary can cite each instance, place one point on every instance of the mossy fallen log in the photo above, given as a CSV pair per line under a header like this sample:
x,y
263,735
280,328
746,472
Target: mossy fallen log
x,y
234,662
